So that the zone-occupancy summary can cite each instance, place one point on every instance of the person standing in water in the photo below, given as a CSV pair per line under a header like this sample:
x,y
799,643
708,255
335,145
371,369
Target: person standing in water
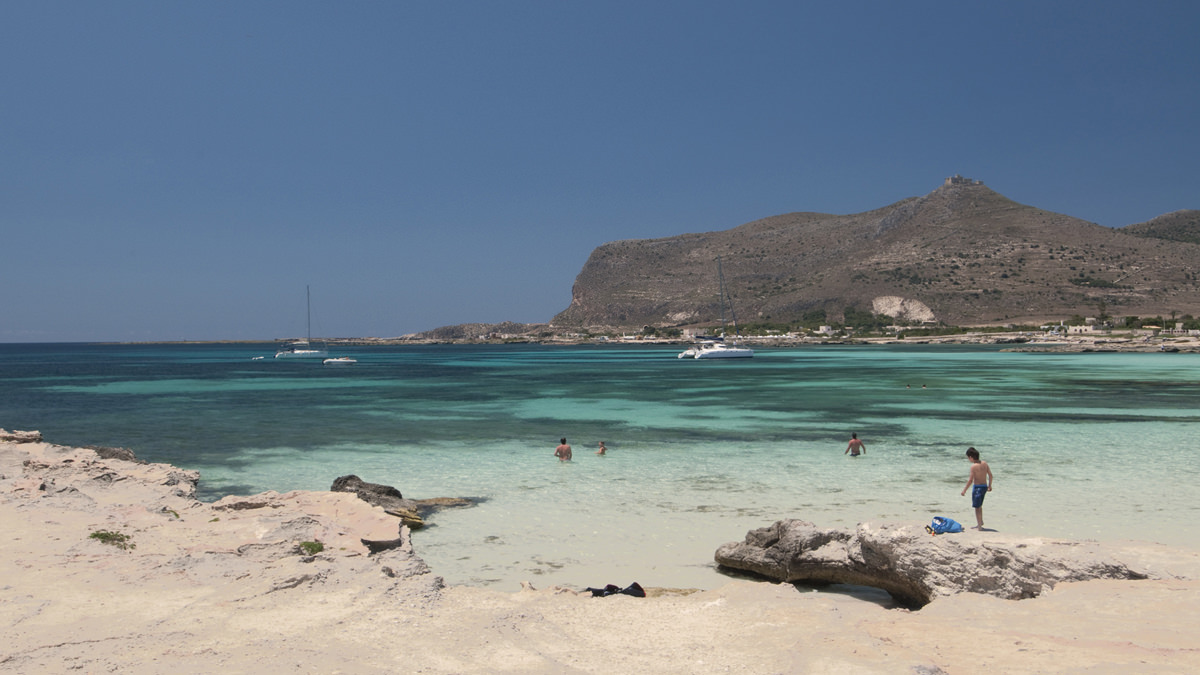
x,y
981,478
563,451
856,446
603,450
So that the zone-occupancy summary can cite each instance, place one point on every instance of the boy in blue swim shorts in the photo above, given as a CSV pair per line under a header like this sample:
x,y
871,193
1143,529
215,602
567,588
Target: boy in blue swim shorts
x,y
980,480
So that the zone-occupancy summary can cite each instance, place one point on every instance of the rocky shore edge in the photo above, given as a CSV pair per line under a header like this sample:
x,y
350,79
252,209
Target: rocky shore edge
x,y
112,564
123,508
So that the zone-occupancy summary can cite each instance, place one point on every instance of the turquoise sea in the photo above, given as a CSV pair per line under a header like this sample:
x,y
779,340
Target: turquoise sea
x,y
1090,445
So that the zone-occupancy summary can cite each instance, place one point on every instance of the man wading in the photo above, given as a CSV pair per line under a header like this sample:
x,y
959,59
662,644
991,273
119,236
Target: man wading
x,y
856,446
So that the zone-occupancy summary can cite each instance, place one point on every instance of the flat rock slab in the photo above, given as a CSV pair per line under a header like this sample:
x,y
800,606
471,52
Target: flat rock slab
x,y
915,567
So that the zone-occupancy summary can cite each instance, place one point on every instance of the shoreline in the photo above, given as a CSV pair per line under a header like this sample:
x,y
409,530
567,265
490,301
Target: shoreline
x,y
231,590
1016,341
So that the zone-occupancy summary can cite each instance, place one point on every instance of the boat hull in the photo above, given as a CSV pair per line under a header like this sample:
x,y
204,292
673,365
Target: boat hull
x,y
716,350
302,354
726,353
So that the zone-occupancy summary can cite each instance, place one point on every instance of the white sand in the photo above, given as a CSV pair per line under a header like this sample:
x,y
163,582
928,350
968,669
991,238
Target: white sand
x,y
208,588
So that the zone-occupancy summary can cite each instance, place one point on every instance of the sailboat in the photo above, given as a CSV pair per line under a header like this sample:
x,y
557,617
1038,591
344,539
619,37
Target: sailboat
x,y
304,349
717,348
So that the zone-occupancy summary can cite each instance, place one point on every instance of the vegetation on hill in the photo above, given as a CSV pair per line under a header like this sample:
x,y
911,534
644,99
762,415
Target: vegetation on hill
x,y
1177,226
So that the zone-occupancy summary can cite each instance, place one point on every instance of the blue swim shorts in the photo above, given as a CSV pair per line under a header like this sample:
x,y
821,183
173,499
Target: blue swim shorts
x,y
977,495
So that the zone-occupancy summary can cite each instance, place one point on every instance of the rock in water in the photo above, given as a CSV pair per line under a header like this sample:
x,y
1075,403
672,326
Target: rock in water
x,y
411,511
374,493
915,567
384,496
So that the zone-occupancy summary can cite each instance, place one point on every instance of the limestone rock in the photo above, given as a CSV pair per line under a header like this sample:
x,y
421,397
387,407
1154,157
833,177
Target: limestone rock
x,y
902,309
915,567
373,493
115,453
438,503
384,496
238,548
411,512
20,436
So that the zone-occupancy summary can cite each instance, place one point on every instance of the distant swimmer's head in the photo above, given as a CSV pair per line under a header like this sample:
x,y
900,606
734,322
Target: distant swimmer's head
x,y
563,441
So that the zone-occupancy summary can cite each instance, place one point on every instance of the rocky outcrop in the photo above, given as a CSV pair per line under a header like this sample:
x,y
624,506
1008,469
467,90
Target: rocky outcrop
x,y
375,494
384,496
915,567
411,512
902,309
105,452
97,513
7,436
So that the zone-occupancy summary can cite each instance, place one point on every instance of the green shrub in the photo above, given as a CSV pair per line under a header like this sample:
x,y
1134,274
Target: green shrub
x,y
118,539
311,547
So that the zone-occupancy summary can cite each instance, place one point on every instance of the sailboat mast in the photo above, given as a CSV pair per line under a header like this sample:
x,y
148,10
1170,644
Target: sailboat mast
x,y
724,296
721,293
308,311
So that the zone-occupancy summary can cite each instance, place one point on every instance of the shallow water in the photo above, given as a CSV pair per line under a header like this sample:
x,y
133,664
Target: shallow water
x,y
1082,445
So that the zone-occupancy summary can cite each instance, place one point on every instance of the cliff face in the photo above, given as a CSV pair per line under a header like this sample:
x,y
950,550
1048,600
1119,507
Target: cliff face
x,y
963,254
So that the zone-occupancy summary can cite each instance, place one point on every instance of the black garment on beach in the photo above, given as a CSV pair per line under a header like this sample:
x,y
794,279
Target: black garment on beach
x,y
633,589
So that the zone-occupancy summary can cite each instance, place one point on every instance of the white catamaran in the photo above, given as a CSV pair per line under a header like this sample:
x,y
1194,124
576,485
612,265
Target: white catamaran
x,y
717,347
304,349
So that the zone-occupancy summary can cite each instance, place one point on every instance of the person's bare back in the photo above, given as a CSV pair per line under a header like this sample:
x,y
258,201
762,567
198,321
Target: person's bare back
x,y
855,447
980,472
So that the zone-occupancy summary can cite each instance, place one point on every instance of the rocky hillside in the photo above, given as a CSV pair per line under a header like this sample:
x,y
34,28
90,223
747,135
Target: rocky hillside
x,y
1177,226
963,255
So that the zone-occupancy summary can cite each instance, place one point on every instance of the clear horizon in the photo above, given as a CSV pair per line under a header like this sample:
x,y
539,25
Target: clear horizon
x,y
181,171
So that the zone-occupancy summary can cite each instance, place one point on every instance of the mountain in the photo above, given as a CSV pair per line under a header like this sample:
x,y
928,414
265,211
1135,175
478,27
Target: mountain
x,y
962,254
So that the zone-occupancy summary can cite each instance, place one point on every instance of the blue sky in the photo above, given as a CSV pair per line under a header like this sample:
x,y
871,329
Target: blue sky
x,y
182,170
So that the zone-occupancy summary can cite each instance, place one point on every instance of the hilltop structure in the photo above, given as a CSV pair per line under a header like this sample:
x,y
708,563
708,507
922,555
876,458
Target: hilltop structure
x,y
959,180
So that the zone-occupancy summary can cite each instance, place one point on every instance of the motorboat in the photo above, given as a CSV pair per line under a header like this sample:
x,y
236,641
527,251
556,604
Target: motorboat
x,y
340,361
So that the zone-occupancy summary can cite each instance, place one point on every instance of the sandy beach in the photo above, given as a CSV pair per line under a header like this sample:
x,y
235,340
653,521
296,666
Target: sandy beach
x,y
197,587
